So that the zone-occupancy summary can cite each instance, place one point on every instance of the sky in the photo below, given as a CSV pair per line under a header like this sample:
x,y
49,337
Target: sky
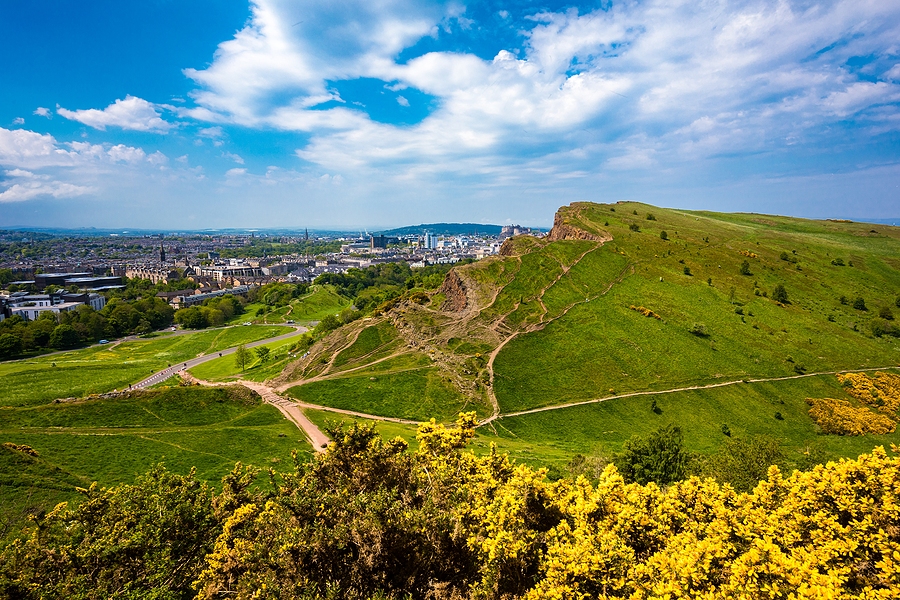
x,y
352,114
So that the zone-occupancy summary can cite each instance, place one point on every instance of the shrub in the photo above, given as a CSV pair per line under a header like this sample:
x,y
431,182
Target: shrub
x,y
726,430
651,217
779,294
663,235
687,270
659,457
860,304
699,329
881,327
885,313
843,300
745,268
840,417
645,311
634,227
838,262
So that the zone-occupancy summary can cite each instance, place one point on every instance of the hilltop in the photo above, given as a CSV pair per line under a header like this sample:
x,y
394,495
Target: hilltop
x,y
623,299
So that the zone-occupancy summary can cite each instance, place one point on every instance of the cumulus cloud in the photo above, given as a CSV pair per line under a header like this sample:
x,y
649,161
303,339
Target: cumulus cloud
x,y
131,113
43,112
629,87
18,121
235,157
20,192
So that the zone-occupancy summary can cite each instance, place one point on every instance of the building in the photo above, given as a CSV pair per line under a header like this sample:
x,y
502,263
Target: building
x,y
431,241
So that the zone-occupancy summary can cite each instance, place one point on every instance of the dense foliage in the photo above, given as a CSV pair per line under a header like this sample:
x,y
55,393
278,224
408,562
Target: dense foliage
x,y
375,285
370,519
82,326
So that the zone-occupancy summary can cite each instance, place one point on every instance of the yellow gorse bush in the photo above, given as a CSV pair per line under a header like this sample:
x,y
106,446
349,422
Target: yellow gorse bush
x,y
841,417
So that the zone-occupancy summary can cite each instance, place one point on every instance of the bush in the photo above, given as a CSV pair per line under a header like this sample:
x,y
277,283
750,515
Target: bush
x,y
860,304
699,329
651,217
779,294
687,271
838,262
660,457
745,268
881,327
885,313
663,235
634,227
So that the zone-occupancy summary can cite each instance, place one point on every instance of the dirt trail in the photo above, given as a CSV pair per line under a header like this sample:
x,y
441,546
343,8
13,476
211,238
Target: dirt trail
x,y
286,386
292,413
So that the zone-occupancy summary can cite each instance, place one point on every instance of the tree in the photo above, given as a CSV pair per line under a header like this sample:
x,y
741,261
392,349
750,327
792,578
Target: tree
x,y
241,357
262,353
191,318
860,304
663,235
779,294
885,313
659,457
64,336
745,268
10,345
744,462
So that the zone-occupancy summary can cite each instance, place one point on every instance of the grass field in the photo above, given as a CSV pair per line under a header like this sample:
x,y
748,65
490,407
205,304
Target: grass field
x,y
321,301
112,440
225,368
103,368
419,393
553,437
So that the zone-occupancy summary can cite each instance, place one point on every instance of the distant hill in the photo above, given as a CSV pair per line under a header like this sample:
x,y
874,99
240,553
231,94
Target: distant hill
x,y
446,229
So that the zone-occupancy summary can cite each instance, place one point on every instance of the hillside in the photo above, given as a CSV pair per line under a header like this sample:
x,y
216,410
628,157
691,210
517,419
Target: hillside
x,y
631,299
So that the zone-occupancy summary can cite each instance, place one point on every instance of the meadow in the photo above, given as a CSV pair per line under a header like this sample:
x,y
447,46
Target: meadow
x,y
101,369
111,440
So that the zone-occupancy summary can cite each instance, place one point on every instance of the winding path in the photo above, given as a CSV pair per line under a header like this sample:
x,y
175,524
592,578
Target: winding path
x,y
161,376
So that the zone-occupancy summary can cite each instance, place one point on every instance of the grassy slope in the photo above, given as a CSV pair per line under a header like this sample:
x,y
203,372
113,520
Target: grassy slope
x,y
225,368
602,344
104,368
112,440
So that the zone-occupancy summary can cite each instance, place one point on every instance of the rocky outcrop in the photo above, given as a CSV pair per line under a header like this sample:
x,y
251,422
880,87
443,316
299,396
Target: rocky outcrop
x,y
454,288
566,231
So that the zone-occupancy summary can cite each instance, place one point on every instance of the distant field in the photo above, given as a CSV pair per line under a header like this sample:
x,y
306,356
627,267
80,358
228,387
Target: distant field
x,y
103,368
112,440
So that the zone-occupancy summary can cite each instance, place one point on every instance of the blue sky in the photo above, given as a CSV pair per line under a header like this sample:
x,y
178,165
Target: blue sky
x,y
366,114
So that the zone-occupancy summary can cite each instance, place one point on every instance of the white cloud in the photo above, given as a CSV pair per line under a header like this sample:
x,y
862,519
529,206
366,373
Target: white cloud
x,y
630,87
131,113
43,112
157,158
402,101
18,121
236,158
20,192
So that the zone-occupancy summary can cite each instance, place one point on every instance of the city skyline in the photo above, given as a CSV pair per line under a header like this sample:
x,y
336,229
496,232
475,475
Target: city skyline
x,y
279,114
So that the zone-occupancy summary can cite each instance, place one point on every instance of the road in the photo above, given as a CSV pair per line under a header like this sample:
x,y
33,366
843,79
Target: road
x,y
161,376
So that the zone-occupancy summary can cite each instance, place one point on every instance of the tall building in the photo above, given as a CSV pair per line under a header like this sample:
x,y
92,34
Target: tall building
x,y
162,253
430,240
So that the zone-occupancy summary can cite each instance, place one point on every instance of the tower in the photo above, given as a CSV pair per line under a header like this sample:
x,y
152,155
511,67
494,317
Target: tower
x,y
162,253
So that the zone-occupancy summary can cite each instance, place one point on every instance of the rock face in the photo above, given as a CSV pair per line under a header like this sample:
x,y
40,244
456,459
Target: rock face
x,y
454,288
566,231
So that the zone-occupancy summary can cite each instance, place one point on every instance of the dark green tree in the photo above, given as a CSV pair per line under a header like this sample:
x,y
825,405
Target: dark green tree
x,y
262,353
745,268
779,294
860,303
659,457
64,336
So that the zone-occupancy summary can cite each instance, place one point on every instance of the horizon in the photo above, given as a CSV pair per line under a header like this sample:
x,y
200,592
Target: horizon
x,y
217,113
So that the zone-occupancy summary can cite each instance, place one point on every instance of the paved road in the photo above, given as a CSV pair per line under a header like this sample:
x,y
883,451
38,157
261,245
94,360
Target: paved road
x,y
166,373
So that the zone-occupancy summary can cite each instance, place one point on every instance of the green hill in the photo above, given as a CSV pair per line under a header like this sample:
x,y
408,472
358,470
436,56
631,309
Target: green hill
x,y
633,299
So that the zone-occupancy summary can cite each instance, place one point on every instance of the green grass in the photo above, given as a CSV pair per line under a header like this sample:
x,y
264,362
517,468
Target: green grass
x,y
374,342
112,440
554,437
602,344
104,368
322,419
321,301
418,394
225,368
